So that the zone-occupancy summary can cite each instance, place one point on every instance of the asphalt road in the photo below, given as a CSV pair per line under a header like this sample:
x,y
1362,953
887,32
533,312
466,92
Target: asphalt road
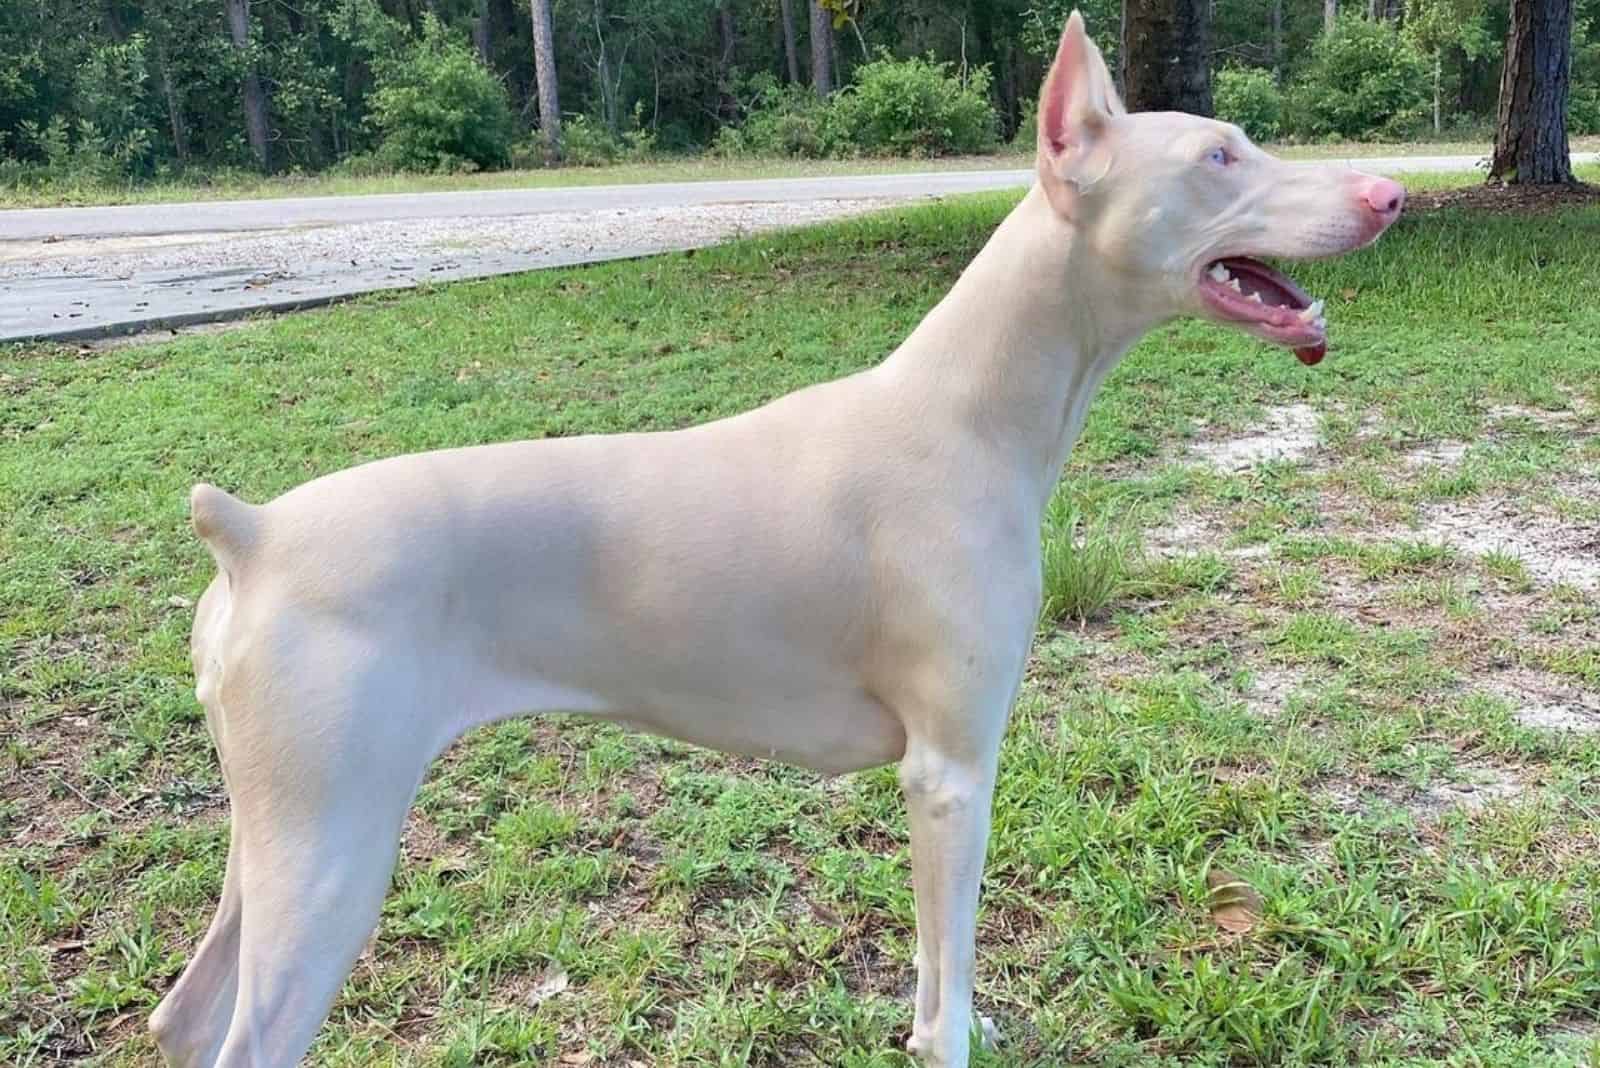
x,y
46,293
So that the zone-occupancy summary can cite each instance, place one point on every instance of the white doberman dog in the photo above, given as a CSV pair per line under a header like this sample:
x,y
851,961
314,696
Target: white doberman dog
x,y
844,578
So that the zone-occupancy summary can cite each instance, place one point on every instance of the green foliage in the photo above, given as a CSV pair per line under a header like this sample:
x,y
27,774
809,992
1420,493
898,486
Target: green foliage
x,y
1365,81
893,107
438,108
786,120
1251,100
1583,106
915,107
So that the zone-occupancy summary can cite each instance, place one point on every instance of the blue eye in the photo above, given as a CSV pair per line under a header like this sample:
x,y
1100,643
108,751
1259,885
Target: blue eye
x,y
1220,156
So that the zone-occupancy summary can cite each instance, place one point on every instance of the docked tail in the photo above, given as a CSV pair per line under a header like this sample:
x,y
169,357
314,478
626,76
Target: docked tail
x,y
229,527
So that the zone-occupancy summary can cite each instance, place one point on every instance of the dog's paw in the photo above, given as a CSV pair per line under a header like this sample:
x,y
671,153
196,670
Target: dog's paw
x,y
989,1032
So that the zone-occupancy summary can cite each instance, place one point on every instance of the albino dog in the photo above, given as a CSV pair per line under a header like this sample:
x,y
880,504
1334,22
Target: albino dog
x,y
846,577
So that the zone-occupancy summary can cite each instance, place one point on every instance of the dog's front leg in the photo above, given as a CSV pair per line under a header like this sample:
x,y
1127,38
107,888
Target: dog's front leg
x,y
949,795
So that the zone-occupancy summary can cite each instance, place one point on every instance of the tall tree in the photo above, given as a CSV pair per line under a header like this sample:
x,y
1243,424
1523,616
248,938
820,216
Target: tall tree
x,y
1330,15
544,63
1164,55
791,54
255,96
821,49
1530,144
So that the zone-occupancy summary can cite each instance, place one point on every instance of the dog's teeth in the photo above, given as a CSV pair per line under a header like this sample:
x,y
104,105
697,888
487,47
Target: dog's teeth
x,y
1313,312
1233,284
1256,297
1218,273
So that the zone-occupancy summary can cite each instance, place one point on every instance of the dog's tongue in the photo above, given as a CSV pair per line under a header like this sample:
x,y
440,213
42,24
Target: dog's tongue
x,y
1312,355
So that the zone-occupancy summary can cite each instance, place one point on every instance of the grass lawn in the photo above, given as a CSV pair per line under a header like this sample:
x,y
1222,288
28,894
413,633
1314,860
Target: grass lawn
x,y
1346,651
242,185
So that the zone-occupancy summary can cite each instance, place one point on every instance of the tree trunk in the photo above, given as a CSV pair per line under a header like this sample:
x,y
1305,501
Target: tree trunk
x,y
821,50
608,99
1164,54
1530,144
544,64
727,103
180,139
255,96
1277,39
1439,77
1330,15
791,55
481,35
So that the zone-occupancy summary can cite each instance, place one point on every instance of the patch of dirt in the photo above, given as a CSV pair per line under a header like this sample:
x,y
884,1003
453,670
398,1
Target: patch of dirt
x,y
1546,702
1505,199
1290,434
1552,550
1271,688
1436,454
1476,787
1562,419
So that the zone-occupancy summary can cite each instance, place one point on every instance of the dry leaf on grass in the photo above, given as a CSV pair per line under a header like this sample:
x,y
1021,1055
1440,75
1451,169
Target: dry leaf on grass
x,y
1235,905
550,984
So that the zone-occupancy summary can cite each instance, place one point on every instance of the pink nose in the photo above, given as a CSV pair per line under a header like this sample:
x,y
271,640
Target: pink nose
x,y
1385,197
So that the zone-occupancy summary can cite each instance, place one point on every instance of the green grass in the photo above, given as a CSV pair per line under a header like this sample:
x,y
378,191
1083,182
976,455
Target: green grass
x,y
242,185
1318,699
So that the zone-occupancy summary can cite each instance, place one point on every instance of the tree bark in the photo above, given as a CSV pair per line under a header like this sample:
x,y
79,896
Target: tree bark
x,y
544,63
180,139
1330,15
1530,145
1277,38
1164,55
255,96
821,50
791,55
481,35
727,103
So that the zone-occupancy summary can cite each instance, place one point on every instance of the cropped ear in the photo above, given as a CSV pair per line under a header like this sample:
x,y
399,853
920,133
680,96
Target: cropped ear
x,y
1075,107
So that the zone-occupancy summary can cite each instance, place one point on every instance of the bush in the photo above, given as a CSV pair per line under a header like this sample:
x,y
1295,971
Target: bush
x,y
786,120
1364,82
893,107
915,107
1251,100
437,108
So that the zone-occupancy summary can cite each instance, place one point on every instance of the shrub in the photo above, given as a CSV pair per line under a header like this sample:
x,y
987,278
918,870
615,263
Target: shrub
x,y
437,108
893,107
786,120
587,143
1250,99
1364,82
914,107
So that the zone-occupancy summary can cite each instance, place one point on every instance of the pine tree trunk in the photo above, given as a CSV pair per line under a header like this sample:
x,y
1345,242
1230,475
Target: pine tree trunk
x,y
791,55
1330,15
544,65
1530,145
1277,38
727,103
481,36
821,50
1164,55
180,138
255,96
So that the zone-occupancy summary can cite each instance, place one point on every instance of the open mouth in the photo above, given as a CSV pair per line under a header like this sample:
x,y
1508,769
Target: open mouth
x,y
1246,291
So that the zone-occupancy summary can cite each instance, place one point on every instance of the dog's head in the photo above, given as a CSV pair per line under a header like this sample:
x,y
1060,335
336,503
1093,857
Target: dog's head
x,y
1185,206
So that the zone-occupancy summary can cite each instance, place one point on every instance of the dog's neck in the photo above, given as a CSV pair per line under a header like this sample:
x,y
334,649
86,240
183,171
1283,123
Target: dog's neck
x,y
1019,346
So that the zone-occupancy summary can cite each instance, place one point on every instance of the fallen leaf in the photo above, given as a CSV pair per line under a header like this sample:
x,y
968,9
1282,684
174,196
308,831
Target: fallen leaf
x,y
1348,294
581,1057
1235,905
552,983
